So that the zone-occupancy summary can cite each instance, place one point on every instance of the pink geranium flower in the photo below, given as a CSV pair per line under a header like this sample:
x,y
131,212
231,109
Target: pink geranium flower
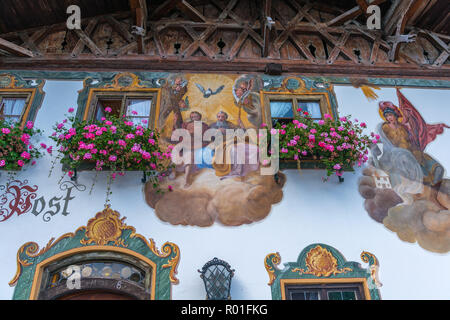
x,y
25,155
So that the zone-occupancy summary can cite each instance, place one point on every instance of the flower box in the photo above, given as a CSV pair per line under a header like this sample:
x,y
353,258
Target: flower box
x,y
112,144
16,148
333,145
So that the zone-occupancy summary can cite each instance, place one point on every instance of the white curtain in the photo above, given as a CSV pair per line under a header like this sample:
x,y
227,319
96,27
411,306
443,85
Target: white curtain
x,y
313,108
13,108
141,106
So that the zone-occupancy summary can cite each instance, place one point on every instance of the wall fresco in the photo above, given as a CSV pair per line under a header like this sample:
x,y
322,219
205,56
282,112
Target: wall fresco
x,y
232,194
404,186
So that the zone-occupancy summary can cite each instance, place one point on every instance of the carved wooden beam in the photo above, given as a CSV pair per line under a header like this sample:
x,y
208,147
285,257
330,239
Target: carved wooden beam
x,y
29,43
199,42
181,5
405,11
351,14
139,12
363,5
190,11
86,34
120,28
386,18
239,65
15,49
163,9
266,26
237,45
437,41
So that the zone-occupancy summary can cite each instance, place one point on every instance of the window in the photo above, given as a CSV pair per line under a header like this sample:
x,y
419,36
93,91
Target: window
x,y
100,273
98,269
312,107
139,108
283,107
281,112
12,107
350,291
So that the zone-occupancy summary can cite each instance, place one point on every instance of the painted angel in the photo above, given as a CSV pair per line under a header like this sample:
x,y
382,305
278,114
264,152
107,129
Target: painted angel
x,y
405,129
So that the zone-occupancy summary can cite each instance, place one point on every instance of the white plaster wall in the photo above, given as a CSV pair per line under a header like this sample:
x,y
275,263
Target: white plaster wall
x,y
311,211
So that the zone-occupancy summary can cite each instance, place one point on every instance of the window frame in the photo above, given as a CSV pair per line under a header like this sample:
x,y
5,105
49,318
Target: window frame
x,y
321,97
40,277
324,288
114,93
27,94
102,255
327,284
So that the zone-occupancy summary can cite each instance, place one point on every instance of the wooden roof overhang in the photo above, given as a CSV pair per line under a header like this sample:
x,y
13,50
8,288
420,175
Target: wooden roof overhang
x,y
308,37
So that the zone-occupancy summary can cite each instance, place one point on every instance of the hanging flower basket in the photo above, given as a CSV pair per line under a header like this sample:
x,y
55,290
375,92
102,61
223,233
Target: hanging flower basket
x,y
112,144
333,145
16,149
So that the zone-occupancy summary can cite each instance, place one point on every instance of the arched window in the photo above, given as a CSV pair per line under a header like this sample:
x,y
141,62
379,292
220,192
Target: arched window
x,y
97,274
322,273
104,260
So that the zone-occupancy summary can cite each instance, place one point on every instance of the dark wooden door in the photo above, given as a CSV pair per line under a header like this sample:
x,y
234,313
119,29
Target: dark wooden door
x,y
96,295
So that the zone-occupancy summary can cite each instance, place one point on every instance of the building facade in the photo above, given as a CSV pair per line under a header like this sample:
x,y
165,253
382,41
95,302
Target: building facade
x,y
359,208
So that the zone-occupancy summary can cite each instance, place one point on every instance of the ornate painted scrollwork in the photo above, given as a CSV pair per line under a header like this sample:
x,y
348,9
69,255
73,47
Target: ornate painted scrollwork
x,y
374,266
105,227
321,263
168,248
270,262
105,230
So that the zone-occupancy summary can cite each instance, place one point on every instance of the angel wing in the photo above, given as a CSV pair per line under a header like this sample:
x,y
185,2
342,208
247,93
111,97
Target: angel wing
x,y
201,88
218,89
421,133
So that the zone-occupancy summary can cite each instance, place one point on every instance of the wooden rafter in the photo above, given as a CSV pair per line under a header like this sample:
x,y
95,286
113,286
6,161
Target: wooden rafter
x,y
199,42
120,28
293,34
363,5
29,43
190,11
437,41
404,12
15,49
265,28
86,34
351,14
139,13
181,5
